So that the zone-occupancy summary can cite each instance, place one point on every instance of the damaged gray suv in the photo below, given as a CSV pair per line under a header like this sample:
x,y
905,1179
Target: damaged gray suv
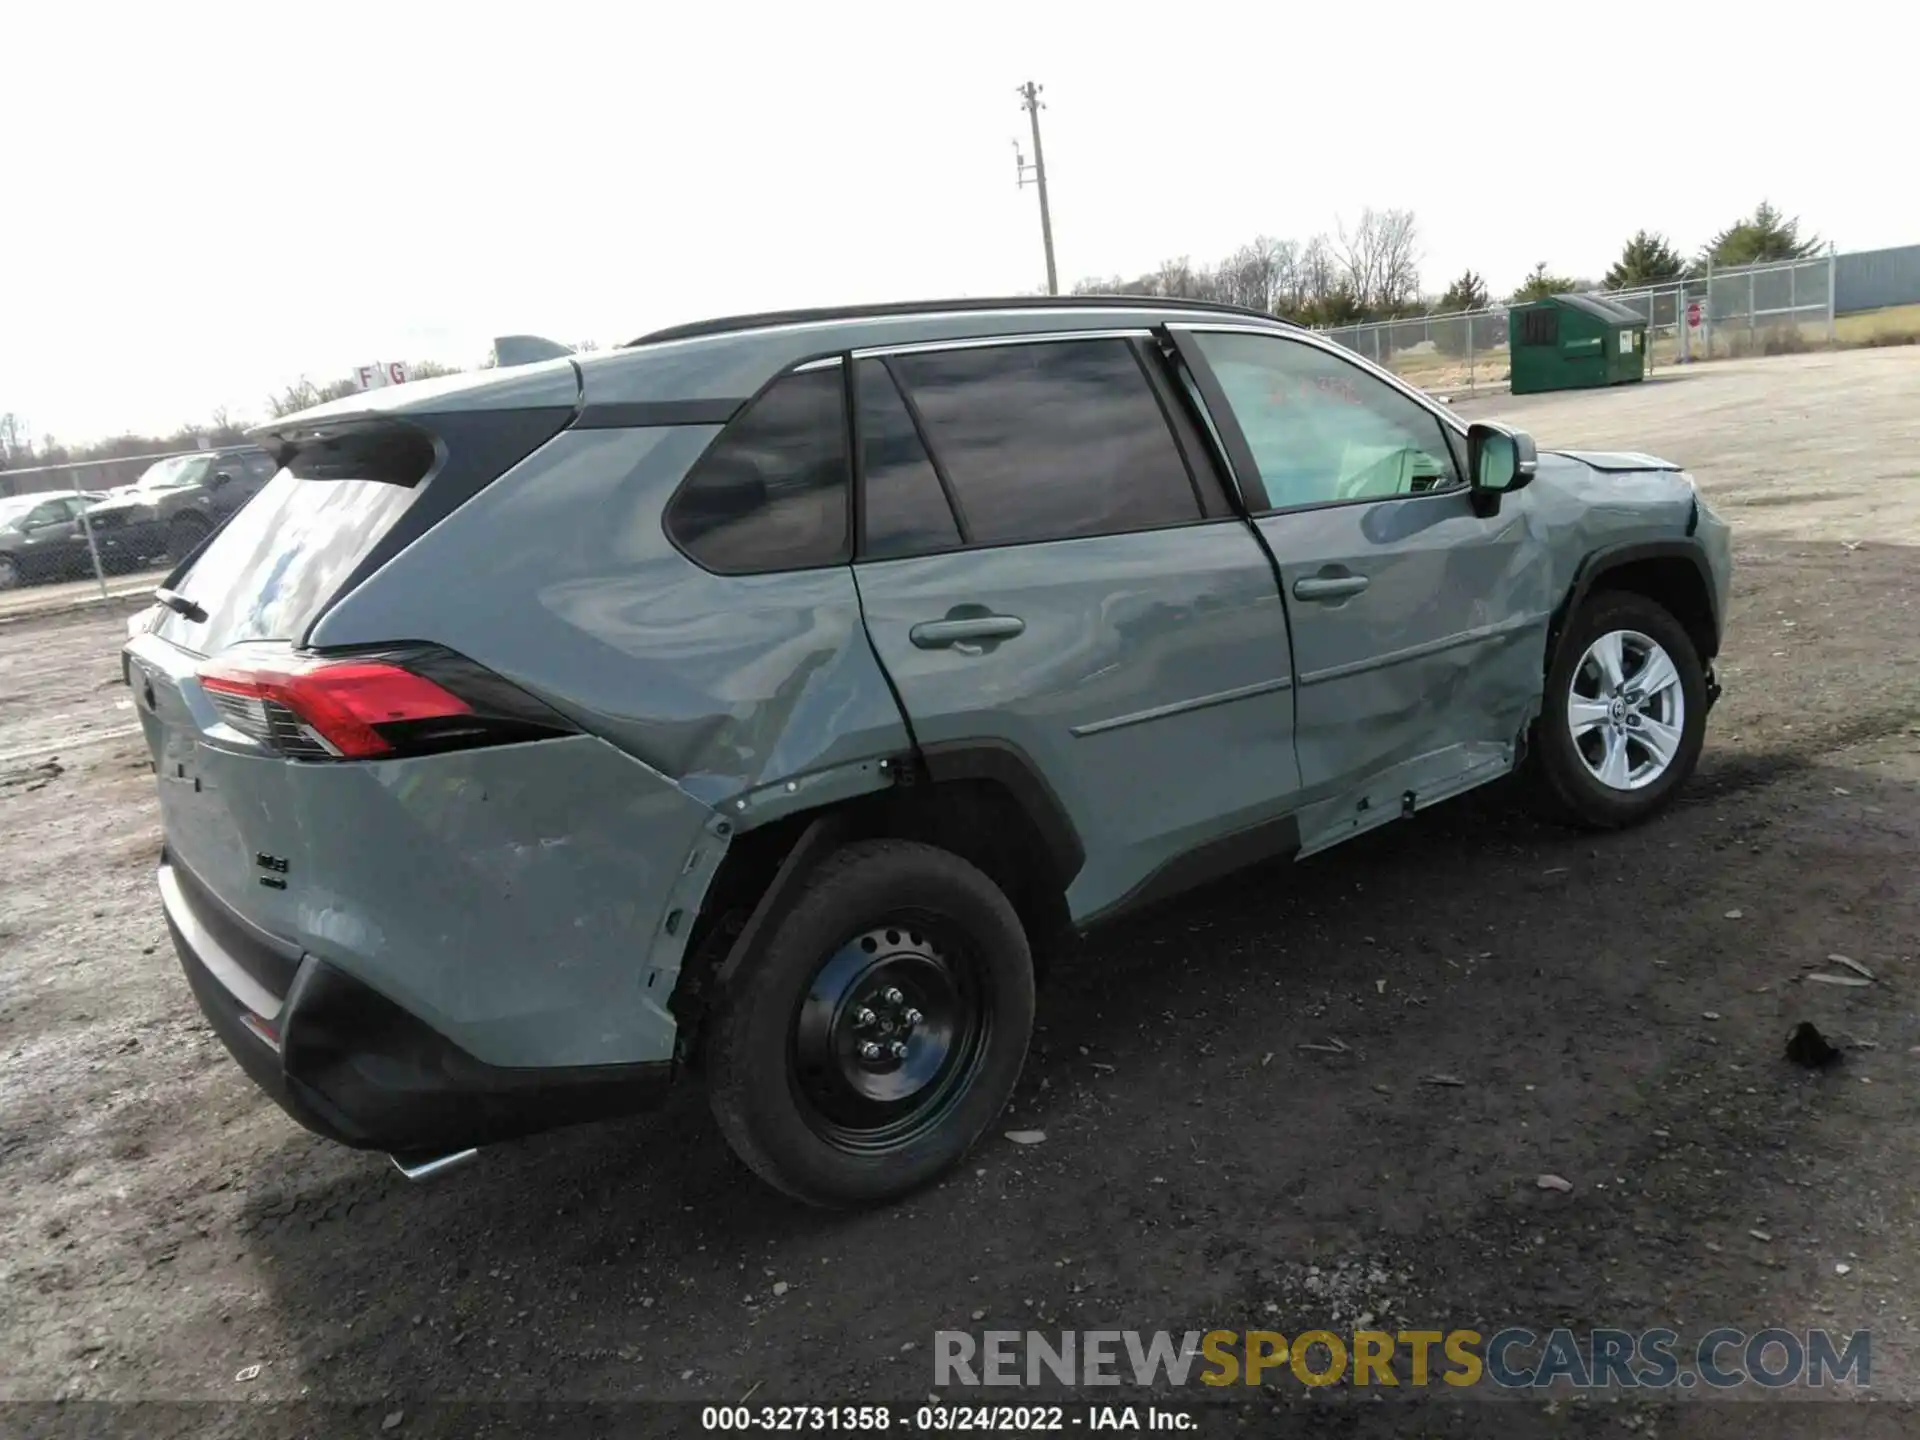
x,y
754,701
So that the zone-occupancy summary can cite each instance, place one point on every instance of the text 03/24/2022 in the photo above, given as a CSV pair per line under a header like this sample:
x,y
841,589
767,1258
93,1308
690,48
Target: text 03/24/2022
x,y
945,1419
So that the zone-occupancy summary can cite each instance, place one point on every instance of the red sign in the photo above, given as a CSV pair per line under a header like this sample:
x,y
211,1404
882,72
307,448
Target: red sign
x,y
1693,315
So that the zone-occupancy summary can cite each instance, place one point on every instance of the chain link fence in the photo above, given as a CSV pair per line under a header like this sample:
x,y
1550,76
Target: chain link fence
x,y
1752,310
119,523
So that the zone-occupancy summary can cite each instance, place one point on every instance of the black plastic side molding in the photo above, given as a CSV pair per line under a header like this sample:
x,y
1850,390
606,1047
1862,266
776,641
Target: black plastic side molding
x,y
1006,764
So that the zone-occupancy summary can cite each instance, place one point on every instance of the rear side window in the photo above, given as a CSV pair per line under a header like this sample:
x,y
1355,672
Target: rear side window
x,y
772,492
1049,441
906,509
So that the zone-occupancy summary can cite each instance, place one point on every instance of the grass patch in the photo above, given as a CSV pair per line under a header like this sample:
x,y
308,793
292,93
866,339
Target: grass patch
x,y
1899,325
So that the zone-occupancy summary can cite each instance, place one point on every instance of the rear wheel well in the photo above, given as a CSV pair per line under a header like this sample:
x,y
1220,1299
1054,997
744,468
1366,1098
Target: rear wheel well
x,y
980,820
1677,586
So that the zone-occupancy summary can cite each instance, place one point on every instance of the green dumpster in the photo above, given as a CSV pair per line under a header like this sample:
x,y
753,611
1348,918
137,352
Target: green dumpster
x,y
1574,342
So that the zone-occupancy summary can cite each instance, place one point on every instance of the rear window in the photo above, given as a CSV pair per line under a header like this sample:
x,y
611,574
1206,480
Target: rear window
x,y
269,572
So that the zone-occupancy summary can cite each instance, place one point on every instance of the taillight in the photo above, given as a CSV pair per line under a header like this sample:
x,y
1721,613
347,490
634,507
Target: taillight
x,y
371,707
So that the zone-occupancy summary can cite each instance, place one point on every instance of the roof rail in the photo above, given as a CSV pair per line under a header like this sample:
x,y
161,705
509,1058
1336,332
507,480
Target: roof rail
x,y
773,318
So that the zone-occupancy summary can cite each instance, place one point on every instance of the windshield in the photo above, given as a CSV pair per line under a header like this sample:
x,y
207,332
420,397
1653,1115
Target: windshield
x,y
175,473
14,508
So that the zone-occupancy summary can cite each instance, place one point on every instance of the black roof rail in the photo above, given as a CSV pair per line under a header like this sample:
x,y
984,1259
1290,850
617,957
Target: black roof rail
x,y
772,318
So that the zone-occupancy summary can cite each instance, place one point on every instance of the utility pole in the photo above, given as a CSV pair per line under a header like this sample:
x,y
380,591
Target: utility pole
x,y
1029,94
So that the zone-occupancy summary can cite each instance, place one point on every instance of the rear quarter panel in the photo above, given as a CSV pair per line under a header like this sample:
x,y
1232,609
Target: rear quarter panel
x,y
560,577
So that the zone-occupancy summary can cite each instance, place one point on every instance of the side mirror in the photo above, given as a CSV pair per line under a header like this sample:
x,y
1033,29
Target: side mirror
x,y
221,477
1499,460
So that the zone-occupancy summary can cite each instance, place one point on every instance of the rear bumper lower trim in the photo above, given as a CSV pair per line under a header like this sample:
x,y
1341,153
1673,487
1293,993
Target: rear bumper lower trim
x,y
192,933
357,1068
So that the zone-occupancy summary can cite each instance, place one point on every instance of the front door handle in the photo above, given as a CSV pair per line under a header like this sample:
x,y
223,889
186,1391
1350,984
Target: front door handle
x,y
965,633
1328,587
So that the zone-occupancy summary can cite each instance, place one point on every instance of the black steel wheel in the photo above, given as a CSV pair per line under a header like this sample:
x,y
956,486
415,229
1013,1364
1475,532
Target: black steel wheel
x,y
889,1035
878,1030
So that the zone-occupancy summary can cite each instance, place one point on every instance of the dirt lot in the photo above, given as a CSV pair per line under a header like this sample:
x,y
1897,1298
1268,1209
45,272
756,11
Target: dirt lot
x,y
74,594
1615,1007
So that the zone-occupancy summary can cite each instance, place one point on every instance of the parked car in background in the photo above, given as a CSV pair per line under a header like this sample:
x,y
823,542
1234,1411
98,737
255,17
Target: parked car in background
x,y
41,537
176,504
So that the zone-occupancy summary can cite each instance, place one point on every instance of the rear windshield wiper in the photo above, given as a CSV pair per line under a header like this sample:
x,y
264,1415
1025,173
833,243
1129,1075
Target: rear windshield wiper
x,y
180,604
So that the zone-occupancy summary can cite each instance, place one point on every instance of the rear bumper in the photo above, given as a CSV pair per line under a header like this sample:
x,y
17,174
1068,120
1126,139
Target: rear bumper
x,y
351,1065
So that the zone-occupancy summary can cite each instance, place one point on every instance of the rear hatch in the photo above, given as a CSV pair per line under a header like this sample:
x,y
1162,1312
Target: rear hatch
x,y
232,705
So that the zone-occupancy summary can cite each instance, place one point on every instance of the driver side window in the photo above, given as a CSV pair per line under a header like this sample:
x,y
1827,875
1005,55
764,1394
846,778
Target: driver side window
x,y
1322,430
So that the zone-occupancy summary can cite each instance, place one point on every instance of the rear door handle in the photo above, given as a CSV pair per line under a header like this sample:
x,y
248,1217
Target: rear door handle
x,y
965,633
1328,587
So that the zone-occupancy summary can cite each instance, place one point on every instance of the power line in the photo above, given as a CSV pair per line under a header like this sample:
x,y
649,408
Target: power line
x,y
1029,94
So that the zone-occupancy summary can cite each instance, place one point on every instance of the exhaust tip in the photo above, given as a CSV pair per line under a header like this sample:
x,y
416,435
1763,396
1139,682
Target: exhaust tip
x,y
427,1167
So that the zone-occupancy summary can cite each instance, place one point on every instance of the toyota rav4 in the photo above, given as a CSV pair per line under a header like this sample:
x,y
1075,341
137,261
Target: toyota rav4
x,y
756,700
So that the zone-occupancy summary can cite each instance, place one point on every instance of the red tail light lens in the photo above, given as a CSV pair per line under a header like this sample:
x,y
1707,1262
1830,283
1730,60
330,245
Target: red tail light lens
x,y
342,703
373,707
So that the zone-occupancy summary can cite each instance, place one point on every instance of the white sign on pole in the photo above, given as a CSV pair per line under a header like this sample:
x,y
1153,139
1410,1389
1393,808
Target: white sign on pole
x,y
380,373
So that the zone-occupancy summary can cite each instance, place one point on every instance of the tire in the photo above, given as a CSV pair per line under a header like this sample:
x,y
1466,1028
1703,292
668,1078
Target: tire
x,y
9,573
932,953
1565,773
182,535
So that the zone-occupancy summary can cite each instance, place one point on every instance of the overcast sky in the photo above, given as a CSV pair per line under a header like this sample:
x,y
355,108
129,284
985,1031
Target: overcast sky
x,y
203,203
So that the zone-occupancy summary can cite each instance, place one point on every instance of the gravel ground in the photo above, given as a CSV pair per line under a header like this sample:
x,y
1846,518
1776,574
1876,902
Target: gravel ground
x,y
1614,1007
75,594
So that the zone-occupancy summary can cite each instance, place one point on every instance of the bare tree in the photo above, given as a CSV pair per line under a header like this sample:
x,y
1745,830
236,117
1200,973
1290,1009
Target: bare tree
x,y
1372,271
1257,274
1178,280
1306,276
16,445
303,394
1380,260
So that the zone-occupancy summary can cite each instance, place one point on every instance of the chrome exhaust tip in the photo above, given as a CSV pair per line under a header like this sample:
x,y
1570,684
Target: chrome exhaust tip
x,y
420,1168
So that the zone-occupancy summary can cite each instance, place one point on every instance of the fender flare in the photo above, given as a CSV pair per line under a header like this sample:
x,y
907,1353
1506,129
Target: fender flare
x,y
821,837
1006,764
1597,563
997,761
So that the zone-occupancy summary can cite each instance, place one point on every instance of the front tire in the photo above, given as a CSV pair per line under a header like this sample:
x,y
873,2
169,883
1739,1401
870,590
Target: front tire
x,y
9,573
1624,715
878,1032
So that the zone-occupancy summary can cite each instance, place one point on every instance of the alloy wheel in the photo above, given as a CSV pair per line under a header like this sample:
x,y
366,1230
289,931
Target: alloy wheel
x,y
1627,710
